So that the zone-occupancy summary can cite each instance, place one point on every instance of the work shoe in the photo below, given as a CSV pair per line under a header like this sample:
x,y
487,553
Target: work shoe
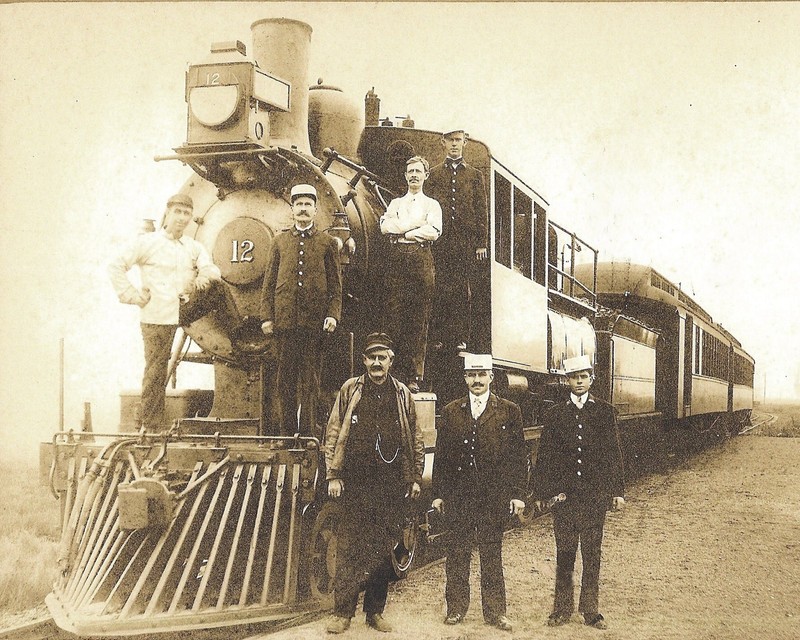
x,y
502,623
454,618
557,619
595,620
377,622
338,624
413,386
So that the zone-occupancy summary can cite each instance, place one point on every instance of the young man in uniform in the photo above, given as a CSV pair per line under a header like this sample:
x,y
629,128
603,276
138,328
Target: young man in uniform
x,y
478,483
459,189
580,457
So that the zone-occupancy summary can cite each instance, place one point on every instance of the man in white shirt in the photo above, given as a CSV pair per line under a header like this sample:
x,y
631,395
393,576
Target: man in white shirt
x,y
173,267
412,223
479,477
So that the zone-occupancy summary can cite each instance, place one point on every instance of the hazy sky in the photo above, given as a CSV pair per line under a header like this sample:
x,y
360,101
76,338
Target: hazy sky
x,y
662,133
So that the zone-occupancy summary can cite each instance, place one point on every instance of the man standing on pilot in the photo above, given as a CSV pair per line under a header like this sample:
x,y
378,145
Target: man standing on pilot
x,y
301,300
178,282
478,484
374,456
580,457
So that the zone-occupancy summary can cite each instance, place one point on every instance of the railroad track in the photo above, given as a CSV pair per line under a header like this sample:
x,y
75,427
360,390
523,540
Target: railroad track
x,y
46,629
767,418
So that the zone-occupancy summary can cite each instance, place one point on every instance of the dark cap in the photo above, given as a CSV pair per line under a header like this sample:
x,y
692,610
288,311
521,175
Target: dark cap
x,y
376,341
181,198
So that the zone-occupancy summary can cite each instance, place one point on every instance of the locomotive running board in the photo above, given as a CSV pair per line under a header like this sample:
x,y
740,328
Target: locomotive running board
x,y
167,535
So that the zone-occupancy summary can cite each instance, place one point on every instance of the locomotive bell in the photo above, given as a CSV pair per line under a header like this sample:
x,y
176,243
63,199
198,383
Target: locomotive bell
x,y
229,99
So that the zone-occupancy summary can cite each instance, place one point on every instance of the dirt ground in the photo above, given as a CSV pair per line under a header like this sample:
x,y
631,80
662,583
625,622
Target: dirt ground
x,y
709,552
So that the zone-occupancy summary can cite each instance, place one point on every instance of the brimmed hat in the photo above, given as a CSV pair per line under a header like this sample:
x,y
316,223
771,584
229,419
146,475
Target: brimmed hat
x,y
452,131
478,362
377,341
303,190
181,198
578,363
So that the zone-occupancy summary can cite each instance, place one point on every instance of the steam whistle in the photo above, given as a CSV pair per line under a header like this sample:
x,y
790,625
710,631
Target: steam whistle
x,y
340,230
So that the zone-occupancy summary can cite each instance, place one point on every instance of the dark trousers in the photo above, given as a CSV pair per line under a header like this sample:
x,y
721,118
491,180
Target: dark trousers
x,y
157,350
450,320
409,282
573,524
466,525
298,378
368,527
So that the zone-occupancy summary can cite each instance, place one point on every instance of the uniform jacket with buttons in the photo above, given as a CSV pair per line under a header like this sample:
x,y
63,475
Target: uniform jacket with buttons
x,y
502,463
579,453
302,281
464,212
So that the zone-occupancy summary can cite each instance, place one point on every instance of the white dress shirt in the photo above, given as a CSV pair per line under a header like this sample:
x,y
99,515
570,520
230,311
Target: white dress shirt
x,y
168,269
579,401
478,404
416,213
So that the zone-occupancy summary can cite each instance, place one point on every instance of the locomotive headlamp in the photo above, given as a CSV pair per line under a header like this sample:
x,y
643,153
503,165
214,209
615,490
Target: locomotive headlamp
x,y
230,99
214,106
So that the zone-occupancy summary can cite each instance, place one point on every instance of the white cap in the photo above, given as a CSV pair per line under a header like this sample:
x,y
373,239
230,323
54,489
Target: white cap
x,y
477,362
578,363
303,190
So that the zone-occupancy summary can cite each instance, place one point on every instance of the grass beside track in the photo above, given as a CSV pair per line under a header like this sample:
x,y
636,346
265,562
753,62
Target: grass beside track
x,y
29,531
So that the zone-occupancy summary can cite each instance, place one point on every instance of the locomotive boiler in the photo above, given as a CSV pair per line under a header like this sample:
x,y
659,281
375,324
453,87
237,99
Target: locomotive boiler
x,y
219,521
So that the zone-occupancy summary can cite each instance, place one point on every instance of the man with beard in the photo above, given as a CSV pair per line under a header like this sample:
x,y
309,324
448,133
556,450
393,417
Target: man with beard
x,y
412,224
374,455
580,457
478,483
176,272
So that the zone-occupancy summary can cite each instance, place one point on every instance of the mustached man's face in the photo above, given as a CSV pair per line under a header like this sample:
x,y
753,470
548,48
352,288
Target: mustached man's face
x,y
478,381
378,363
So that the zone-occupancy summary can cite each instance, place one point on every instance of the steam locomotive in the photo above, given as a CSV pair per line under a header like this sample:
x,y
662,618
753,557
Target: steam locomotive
x,y
221,522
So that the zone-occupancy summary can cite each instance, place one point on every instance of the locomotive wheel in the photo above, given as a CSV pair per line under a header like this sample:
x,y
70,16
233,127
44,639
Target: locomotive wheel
x,y
322,554
406,548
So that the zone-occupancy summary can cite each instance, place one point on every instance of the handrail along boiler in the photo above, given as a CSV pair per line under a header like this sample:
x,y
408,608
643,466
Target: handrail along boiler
x,y
219,521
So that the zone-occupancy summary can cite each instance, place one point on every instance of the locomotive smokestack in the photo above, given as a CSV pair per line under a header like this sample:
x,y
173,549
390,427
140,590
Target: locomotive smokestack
x,y
280,47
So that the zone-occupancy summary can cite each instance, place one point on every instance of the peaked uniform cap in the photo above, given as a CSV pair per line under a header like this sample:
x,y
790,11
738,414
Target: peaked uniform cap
x,y
181,198
377,341
303,190
578,363
478,362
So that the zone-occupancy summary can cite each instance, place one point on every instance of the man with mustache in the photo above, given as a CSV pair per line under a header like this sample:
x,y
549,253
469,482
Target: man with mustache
x,y
301,301
580,457
176,272
479,475
374,456
412,223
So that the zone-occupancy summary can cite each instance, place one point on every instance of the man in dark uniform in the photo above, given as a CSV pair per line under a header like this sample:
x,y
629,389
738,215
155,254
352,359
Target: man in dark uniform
x,y
374,455
478,483
459,189
580,457
301,299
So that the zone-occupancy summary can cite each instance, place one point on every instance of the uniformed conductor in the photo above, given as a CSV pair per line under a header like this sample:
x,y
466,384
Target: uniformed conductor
x,y
580,457
301,299
478,483
459,189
